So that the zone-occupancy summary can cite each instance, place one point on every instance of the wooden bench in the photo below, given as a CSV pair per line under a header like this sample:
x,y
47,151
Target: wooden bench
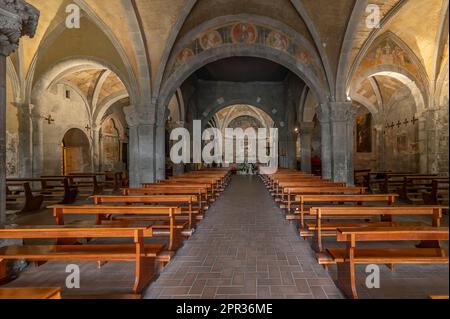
x,y
438,194
104,213
386,213
362,178
414,187
200,192
144,255
291,192
24,196
29,293
303,211
348,258
188,201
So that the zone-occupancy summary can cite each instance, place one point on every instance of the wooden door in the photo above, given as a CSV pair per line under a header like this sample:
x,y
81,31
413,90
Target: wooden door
x,y
73,160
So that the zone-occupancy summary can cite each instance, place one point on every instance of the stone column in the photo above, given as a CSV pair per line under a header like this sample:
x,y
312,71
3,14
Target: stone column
x,y
141,148
25,139
323,115
342,125
96,148
306,130
429,142
37,121
177,169
380,147
17,19
160,151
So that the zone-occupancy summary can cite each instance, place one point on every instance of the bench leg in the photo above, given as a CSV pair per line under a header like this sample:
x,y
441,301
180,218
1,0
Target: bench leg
x,y
2,269
346,281
145,271
175,240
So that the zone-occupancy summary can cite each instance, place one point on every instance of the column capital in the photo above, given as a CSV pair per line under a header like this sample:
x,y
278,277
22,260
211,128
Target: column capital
x,y
134,117
342,112
323,113
306,128
17,19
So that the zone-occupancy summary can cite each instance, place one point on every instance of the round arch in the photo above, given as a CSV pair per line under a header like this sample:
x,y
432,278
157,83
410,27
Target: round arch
x,y
237,50
70,65
419,93
76,152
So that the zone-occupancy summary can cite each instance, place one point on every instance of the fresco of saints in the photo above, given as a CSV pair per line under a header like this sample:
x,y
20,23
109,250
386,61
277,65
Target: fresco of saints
x,y
210,40
278,41
184,55
303,57
244,33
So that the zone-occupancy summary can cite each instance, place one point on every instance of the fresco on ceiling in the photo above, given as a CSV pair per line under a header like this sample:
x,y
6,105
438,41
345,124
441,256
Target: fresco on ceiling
x,y
388,52
364,133
245,122
12,151
246,33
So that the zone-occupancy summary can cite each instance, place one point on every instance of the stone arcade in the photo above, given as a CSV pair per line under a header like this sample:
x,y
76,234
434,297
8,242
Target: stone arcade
x,y
91,92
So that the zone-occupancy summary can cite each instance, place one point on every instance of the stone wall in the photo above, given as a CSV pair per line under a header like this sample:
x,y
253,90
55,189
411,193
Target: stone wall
x,y
402,151
68,114
12,135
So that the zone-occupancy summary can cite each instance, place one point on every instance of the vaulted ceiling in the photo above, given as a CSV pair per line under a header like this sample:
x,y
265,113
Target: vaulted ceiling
x,y
137,37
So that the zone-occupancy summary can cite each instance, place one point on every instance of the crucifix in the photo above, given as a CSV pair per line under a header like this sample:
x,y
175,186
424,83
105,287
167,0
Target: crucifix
x,y
49,119
87,127
392,125
414,120
399,124
406,122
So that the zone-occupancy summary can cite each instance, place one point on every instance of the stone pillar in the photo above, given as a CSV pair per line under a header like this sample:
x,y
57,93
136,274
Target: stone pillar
x,y
37,121
160,151
177,169
25,139
380,147
306,131
141,148
323,115
96,148
429,142
17,19
342,126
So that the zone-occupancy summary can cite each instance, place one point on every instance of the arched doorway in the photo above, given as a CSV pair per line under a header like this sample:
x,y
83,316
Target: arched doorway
x,y
76,152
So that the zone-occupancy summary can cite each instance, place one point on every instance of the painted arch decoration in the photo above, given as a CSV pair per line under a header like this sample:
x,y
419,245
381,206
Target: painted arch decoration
x,y
389,50
238,32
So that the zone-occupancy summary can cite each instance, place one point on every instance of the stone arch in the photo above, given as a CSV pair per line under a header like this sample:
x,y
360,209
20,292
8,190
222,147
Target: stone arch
x,y
101,109
130,82
220,105
419,93
69,65
182,73
77,155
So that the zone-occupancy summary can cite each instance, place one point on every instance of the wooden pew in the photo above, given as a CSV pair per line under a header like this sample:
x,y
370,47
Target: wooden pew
x,y
362,178
24,196
303,211
438,194
188,201
30,293
291,192
414,186
385,213
103,213
202,192
144,255
348,258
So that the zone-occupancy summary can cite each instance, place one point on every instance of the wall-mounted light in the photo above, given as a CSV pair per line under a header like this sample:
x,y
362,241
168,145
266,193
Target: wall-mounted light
x,y
296,130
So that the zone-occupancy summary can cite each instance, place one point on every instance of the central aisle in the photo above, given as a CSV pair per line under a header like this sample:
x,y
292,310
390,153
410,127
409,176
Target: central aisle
x,y
244,249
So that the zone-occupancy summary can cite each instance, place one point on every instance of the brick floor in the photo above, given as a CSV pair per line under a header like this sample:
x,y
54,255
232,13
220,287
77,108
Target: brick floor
x,y
244,249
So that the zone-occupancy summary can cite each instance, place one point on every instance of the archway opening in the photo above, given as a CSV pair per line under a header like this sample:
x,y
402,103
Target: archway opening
x,y
76,152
